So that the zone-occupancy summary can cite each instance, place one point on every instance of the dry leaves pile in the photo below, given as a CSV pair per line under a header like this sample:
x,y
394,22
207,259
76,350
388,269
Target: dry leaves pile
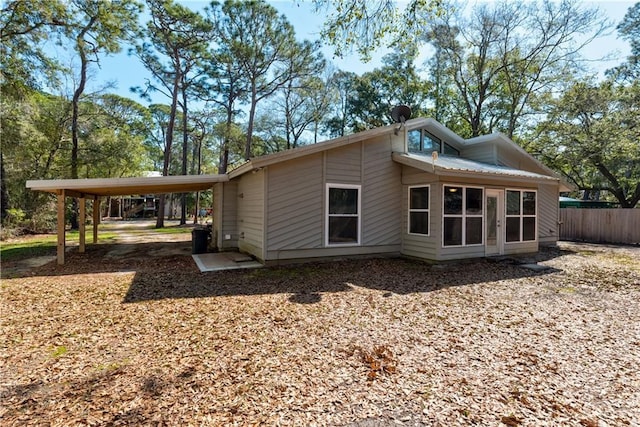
x,y
360,343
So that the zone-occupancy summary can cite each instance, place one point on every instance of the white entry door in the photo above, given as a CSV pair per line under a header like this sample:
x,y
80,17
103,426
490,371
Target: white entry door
x,y
494,241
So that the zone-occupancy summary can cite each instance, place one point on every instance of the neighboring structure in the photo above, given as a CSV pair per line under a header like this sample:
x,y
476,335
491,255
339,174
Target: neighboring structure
x,y
568,202
416,189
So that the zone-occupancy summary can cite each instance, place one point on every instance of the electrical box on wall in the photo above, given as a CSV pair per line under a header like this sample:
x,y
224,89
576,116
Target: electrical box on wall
x,y
227,237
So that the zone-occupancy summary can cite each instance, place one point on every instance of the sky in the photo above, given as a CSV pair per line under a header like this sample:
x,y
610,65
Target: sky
x,y
125,71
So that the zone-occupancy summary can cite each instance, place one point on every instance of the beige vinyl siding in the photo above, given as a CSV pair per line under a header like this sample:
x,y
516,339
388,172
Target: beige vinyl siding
x,y
291,256
296,211
520,248
381,195
460,252
344,164
295,214
251,213
225,211
485,153
415,246
548,211
516,160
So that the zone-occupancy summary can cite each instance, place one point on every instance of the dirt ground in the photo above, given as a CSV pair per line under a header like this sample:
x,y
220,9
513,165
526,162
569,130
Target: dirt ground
x,y
144,338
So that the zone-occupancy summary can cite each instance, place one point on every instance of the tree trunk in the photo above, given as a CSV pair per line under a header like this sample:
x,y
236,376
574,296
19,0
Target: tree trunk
x,y
80,46
224,155
168,145
185,139
252,113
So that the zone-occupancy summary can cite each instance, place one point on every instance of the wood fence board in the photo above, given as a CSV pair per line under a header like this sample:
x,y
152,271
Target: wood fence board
x,y
600,225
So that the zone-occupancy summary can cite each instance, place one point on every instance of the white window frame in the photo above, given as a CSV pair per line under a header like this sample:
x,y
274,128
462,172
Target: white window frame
x,y
409,211
521,215
328,215
464,215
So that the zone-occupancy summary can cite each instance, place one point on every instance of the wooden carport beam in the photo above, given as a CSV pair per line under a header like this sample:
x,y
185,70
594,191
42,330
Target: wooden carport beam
x,y
61,225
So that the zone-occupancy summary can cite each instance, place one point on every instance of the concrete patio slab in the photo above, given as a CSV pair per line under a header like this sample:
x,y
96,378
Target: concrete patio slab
x,y
224,261
535,267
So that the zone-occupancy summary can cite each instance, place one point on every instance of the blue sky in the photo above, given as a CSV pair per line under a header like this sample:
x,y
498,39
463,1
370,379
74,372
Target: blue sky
x,y
125,71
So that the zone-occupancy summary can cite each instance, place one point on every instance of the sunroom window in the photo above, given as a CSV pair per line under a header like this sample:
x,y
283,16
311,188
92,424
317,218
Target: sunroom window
x,y
462,215
521,216
343,214
419,210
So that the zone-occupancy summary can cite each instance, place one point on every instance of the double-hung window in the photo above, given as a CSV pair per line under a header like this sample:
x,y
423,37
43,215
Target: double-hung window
x,y
462,220
521,216
343,214
419,210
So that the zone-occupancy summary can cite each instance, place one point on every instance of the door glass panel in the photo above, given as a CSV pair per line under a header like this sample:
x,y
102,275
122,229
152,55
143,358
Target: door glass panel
x,y
492,210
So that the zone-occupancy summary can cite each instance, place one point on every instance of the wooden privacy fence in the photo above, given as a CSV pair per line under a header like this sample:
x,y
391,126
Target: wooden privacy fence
x,y
600,225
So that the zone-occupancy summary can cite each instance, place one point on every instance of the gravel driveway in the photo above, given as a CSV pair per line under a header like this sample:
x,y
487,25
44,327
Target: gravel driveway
x,y
361,343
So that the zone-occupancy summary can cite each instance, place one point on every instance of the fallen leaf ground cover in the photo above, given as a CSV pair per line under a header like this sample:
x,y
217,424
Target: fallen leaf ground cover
x,y
151,341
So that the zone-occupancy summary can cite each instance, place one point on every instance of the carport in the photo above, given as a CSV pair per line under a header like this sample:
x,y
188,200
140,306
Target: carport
x,y
95,189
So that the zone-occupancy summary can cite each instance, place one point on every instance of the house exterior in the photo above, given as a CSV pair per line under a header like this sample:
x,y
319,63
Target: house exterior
x,y
416,189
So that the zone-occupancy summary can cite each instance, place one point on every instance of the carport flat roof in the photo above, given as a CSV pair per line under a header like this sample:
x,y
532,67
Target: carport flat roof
x,y
127,186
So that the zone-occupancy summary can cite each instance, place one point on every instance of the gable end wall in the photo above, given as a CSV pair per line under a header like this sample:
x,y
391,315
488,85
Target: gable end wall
x,y
296,194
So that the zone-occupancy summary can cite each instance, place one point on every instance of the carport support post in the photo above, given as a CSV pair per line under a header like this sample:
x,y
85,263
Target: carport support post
x,y
83,223
96,218
61,224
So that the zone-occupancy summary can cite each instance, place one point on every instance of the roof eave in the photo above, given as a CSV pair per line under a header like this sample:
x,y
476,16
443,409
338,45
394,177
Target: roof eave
x,y
124,186
435,169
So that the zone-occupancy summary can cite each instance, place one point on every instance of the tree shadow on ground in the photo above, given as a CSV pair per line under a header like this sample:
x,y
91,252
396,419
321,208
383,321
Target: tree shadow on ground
x,y
167,271
134,403
306,283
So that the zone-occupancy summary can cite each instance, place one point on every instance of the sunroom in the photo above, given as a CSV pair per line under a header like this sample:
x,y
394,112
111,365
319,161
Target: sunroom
x,y
457,208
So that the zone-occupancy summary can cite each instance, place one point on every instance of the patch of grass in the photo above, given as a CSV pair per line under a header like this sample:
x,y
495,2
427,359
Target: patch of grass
x,y
172,230
103,236
59,351
623,259
45,244
28,249
585,252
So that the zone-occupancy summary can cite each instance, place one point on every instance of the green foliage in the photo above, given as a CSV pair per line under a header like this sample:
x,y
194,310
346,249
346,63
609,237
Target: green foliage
x,y
367,24
629,29
24,26
592,135
263,44
341,89
375,93
492,63
15,218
